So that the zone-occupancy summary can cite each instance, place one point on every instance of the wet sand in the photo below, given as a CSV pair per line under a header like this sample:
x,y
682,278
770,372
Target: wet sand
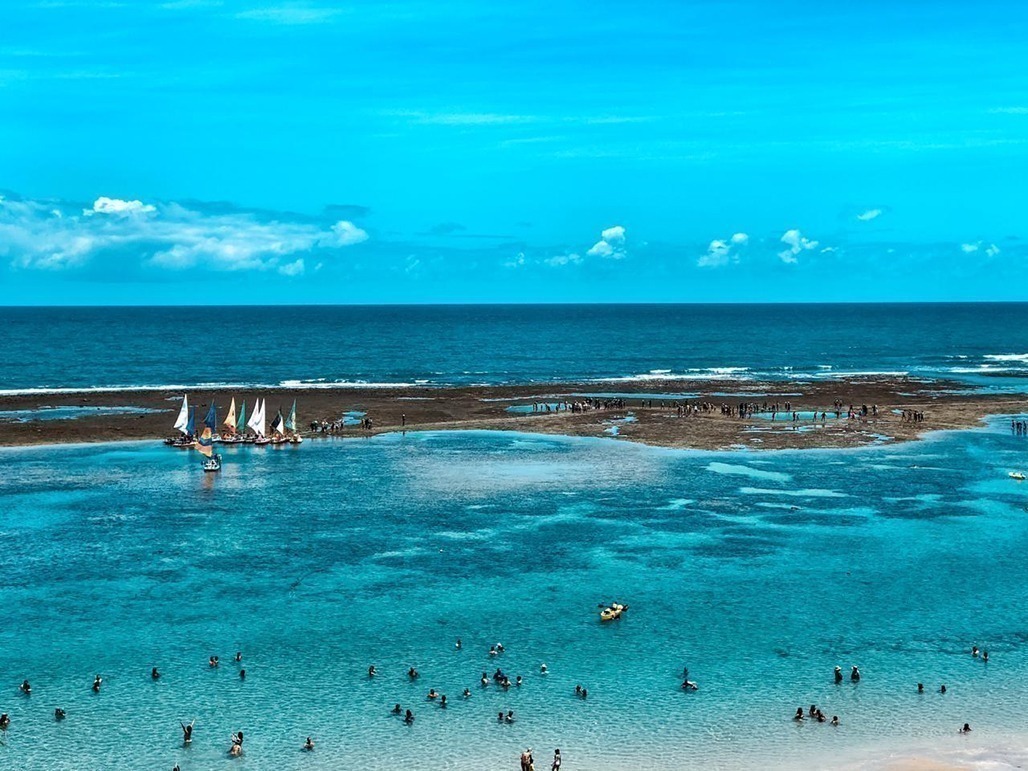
x,y
434,409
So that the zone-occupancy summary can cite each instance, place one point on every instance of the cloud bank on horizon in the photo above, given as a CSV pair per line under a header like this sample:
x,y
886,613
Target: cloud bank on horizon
x,y
815,162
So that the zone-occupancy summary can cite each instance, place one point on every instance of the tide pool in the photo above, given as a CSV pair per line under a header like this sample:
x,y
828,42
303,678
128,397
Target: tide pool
x,y
758,571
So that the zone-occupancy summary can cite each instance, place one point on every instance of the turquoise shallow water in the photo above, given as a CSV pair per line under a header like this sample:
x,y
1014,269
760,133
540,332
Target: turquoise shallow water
x,y
760,571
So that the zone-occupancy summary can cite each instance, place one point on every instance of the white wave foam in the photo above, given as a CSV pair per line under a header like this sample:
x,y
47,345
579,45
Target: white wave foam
x,y
1022,357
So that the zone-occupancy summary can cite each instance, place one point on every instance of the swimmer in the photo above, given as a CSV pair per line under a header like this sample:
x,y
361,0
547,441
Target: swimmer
x,y
237,744
5,721
459,644
442,700
432,694
212,662
920,687
372,671
510,716
154,674
542,669
239,656
499,647
485,679
187,731
25,687
966,729
499,716
97,682
467,694
578,690
518,681
505,682
820,716
985,656
812,711
59,714
308,745
799,714
835,720
942,689
397,710
974,651
412,673
408,718
585,693
242,674
492,650
855,674
689,685
838,674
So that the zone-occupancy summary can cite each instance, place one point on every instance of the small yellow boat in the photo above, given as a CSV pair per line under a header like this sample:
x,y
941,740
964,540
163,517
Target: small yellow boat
x,y
613,612
1018,475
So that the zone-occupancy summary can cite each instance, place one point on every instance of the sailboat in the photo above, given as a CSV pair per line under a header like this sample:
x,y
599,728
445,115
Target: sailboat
x,y
291,425
257,422
278,427
182,424
205,442
230,436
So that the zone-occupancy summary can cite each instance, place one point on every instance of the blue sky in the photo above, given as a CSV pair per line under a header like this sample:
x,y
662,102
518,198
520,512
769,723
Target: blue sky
x,y
474,152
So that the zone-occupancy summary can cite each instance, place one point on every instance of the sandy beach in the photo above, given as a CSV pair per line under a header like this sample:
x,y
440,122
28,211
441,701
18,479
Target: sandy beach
x,y
649,415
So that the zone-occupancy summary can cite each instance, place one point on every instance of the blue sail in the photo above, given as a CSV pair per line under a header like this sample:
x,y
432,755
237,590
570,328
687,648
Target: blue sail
x,y
191,425
211,421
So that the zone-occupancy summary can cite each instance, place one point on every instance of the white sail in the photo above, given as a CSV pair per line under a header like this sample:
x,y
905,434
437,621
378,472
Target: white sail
x,y
230,419
260,427
255,418
183,416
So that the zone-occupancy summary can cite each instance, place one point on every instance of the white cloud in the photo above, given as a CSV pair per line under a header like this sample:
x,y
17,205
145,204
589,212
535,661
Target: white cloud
x,y
564,259
292,268
992,250
614,235
796,243
721,252
163,235
346,233
105,205
610,245
970,248
516,261
869,215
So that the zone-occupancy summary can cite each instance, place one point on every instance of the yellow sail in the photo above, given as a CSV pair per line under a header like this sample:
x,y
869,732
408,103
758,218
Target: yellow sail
x,y
230,419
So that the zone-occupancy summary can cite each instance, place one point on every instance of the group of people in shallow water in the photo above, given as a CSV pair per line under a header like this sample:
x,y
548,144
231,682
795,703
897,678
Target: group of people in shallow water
x,y
1019,427
339,426
528,761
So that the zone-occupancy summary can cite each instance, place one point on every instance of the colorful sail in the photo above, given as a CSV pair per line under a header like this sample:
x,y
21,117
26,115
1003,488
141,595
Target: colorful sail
x,y
191,423
211,421
241,421
183,416
278,424
291,420
230,419
205,442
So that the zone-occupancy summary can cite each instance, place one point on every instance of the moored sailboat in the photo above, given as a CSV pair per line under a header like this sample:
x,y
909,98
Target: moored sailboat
x,y
278,428
257,422
229,434
205,442
295,437
183,423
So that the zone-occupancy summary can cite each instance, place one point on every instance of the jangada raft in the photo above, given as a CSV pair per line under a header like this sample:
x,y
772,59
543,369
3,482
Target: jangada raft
x,y
612,612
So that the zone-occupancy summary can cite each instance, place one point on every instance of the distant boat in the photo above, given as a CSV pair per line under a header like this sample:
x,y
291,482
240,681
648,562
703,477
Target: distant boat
x,y
1018,475
183,423
205,444
278,426
230,436
291,425
257,422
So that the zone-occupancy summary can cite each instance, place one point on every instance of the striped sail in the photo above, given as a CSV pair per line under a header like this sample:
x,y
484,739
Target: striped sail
x,y
183,416
205,442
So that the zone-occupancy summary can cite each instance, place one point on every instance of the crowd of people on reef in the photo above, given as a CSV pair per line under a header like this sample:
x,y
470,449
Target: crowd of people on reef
x,y
498,678
1019,427
912,416
339,426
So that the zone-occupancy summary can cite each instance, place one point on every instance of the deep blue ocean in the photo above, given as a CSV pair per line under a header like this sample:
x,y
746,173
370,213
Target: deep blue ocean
x,y
982,345
758,571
